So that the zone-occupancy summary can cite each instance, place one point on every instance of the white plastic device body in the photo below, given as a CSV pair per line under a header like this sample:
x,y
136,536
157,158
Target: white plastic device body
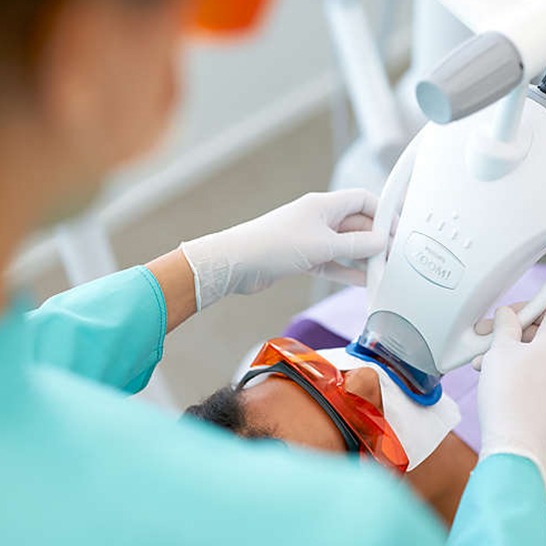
x,y
462,239
521,21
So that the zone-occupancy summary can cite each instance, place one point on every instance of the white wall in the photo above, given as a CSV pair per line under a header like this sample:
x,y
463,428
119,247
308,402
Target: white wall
x,y
229,82
235,94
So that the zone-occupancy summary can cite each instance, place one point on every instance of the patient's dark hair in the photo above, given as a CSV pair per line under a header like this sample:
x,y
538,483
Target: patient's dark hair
x,y
225,408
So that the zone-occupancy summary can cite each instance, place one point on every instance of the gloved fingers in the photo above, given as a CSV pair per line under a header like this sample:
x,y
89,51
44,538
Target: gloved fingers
x,y
356,222
506,327
485,326
540,319
344,203
477,363
540,335
361,222
529,333
336,272
356,245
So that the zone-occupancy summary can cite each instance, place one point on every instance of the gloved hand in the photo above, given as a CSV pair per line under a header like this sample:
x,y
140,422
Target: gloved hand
x,y
485,327
308,235
512,392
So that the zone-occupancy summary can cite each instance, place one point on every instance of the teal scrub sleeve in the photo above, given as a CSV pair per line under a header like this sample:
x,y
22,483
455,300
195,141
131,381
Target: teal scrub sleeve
x,y
83,465
110,330
504,504
82,468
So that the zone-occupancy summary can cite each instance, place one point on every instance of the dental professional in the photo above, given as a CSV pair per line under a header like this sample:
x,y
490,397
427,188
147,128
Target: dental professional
x,y
85,85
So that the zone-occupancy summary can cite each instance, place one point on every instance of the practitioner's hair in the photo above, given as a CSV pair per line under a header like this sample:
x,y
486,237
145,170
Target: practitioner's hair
x,y
25,28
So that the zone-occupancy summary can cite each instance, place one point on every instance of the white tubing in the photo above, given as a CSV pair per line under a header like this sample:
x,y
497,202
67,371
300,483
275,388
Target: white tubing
x,y
366,79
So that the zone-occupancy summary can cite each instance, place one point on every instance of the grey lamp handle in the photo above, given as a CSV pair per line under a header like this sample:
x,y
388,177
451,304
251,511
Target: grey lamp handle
x,y
478,73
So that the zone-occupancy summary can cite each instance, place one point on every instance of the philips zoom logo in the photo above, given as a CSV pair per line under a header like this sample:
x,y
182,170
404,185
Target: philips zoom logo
x,y
434,261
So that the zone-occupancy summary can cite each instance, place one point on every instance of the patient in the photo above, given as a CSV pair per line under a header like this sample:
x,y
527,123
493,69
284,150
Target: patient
x,y
279,408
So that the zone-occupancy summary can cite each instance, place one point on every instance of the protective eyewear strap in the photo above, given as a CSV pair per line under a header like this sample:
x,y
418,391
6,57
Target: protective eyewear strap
x,y
352,442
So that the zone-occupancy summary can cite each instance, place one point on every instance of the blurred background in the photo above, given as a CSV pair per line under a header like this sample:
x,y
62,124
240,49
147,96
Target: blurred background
x,y
264,121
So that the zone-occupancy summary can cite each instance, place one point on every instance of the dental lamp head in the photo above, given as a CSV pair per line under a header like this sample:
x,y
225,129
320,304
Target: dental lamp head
x,y
509,50
472,221
477,74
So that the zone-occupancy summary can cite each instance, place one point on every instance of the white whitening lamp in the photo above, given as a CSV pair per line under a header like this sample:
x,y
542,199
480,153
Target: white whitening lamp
x,y
473,190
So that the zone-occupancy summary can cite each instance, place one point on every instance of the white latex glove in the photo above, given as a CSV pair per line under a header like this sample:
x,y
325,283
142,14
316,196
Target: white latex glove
x,y
485,327
308,235
512,392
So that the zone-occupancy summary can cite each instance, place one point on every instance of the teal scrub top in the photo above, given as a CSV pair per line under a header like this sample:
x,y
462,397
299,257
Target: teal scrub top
x,y
82,464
